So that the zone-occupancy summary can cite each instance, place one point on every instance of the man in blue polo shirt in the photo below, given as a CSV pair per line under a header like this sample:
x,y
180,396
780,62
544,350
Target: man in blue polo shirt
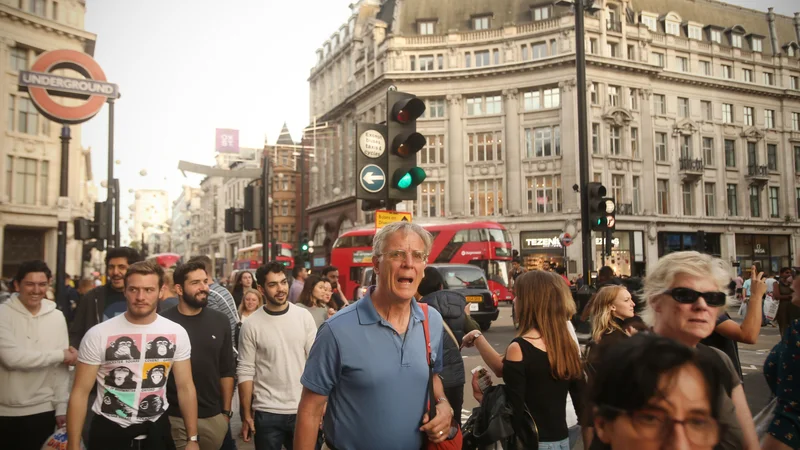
x,y
369,361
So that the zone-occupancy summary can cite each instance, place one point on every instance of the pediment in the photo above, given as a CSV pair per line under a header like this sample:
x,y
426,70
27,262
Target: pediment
x,y
752,134
685,126
618,116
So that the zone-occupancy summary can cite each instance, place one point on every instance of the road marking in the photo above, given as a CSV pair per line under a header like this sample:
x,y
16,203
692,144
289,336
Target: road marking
x,y
750,367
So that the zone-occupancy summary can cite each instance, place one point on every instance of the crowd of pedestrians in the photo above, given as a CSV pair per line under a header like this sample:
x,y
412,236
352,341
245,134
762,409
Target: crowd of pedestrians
x,y
158,358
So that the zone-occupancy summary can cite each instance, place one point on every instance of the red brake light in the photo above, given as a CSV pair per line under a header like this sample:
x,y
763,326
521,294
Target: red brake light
x,y
494,298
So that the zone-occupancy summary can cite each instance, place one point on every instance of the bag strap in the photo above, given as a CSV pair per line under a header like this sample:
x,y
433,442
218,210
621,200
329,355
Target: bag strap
x,y
431,395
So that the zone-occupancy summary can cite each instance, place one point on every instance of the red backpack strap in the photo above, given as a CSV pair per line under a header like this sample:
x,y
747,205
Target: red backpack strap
x,y
425,327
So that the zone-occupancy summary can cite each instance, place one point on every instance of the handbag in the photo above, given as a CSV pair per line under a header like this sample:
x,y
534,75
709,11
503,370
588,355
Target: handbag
x,y
457,441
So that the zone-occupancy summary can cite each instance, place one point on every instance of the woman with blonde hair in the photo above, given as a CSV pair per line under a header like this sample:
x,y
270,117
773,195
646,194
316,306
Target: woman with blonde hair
x,y
251,301
610,307
542,364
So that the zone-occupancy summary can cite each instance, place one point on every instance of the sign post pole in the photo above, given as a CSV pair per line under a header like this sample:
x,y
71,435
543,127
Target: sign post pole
x,y
113,208
63,212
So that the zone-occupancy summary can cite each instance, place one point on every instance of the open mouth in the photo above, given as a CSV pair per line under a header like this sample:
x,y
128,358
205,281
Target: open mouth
x,y
405,281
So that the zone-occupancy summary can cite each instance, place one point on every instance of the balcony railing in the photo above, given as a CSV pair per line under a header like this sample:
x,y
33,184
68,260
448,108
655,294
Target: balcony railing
x,y
625,209
692,165
614,25
757,171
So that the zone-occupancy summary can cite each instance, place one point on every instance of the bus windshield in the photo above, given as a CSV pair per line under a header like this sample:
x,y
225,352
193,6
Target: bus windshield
x,y
496,270
463,278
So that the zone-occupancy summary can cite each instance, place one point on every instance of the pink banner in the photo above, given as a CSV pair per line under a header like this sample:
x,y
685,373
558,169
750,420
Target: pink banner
x,y
227,140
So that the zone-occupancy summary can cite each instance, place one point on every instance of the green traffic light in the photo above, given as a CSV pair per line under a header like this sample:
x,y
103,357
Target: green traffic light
x,y
409,179
405,181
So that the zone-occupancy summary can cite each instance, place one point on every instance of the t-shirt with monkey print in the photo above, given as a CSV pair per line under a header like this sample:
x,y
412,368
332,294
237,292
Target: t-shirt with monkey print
x,y
135,362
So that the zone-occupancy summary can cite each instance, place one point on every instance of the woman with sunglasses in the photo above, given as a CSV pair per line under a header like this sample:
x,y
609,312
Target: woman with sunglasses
x,y
652,393
685,293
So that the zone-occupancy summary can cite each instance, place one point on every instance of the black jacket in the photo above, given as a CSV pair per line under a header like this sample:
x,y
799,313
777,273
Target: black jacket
x,y
88,314
451,306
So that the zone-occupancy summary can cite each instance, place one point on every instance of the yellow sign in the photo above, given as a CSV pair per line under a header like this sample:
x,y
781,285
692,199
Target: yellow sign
x,y
383,218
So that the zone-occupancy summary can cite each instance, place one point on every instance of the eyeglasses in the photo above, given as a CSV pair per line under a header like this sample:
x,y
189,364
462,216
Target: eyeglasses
x,y
656,424
688,296
401,255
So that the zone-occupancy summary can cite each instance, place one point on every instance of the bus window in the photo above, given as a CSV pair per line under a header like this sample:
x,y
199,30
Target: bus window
x,y
286,252
354,241
497,235
495,270
463,278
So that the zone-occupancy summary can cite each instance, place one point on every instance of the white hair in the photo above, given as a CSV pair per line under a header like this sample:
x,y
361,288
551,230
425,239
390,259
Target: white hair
x,y
691,263
405,227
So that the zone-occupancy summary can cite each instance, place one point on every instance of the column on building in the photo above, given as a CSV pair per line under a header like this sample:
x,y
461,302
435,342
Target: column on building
x,y
647,193
513,153
569,143
455,154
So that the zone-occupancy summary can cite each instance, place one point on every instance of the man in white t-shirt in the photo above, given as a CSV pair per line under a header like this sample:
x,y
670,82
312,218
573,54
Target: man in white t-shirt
x,y
131,357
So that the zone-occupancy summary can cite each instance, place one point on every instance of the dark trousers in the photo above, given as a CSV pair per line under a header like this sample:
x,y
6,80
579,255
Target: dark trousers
x,y
274,431
455,396
229,443
27,432
107,435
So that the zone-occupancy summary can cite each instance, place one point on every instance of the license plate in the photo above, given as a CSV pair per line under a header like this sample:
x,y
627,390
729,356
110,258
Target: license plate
x,y
473,306
474,299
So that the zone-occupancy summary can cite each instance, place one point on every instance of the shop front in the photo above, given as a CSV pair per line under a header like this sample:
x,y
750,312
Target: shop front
x,y
541,250
627,253
770,252
700,241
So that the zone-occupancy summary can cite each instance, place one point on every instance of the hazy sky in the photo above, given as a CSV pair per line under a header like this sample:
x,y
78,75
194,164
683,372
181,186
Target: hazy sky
x,y
187,67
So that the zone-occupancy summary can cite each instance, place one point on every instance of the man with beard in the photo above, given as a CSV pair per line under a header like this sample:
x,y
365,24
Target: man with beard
x,y
219,298
119,426
213,367
273,347
332,274
104,302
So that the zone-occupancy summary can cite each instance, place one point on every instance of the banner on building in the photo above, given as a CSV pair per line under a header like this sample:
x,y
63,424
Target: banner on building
x,y
227,140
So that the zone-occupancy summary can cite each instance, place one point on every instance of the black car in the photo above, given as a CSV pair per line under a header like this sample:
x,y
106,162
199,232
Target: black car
x,y
470,281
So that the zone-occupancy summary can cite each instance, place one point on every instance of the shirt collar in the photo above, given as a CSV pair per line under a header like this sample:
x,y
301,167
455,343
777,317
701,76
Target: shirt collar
x,y
368,315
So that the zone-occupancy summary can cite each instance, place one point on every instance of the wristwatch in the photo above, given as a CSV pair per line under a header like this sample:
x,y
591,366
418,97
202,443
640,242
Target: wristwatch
x,y
228,413
194,438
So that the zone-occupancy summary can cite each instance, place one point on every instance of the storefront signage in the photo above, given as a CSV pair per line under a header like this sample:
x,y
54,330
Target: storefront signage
x,y
601,241
566,239
759,250
467,253
553,242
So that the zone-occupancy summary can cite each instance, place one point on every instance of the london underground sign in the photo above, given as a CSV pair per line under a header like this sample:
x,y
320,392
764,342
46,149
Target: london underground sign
x,y
43,85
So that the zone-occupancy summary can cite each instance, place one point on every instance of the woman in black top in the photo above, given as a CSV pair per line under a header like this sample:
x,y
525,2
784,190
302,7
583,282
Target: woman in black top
x,y
543,363
244,281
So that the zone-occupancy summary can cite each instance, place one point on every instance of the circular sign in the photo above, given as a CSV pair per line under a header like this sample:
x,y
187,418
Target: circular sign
x,y
79,62
371,143
566,239
373,179
610,206
610,222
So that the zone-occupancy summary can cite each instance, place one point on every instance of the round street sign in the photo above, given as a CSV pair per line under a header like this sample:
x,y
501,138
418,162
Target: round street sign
x,y
566,239
371,143
372,178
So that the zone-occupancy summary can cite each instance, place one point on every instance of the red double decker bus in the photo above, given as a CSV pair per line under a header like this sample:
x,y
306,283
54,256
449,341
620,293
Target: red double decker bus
x,y
251,257
168,261
483,244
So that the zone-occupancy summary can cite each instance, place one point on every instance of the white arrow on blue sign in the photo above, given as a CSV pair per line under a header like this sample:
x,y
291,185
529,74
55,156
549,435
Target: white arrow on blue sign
x,y
372,178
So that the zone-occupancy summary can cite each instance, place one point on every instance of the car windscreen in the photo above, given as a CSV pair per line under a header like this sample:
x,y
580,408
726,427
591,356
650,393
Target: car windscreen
x,y
463,278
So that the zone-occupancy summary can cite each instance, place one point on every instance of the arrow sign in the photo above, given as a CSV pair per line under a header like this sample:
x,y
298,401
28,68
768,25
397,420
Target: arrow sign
x,y
373,179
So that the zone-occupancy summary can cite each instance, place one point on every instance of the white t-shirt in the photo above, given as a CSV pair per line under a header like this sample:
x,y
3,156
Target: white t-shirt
x,y
770,284
135,361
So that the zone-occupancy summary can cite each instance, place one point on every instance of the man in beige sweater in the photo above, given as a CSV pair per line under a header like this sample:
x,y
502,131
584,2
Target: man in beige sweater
x,y
34,354
274,344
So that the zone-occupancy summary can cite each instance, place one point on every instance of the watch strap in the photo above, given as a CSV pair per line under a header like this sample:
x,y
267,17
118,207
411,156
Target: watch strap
x,y
195,438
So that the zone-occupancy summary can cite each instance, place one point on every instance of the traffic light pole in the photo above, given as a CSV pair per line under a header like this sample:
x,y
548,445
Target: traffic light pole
x,y
63,193
265,244
583,150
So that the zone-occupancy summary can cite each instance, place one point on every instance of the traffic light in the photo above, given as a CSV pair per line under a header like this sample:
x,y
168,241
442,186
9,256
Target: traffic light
x,y
233,220
403,143
101,220
598,206
83,229
252,208
305,247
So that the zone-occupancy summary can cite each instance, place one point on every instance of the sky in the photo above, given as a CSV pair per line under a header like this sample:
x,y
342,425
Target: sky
x,y
187,67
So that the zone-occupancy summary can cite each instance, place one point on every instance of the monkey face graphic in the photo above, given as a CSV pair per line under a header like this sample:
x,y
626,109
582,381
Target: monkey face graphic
x,y
124,348
156,377
120,378
160,348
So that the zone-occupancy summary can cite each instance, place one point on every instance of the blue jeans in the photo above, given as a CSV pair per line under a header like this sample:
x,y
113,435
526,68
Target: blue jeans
x,y
558,445
574,435
274,431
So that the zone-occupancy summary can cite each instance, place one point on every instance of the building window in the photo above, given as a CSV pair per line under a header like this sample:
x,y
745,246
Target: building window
x,y
797,200
755,201
426,63
592,46
486,146
797,158
769,118
480,23
686,147
705,68
496,56
594,92
539,50
795,121
659,59
683,63
435,108
543,142
596,138
769,78
54,11
24,180
736,40
733,209
635,143
637,199
661,147
672,28
662,203
541,99
650,22
27,117
541,13
633,99
11,109
482,58
688,199
433,152
525,54
486,197
614,140
544,194
748,115
413,62
794,82
19,58
755,44
612,48
426,27
747,75
774,202
38,7
475,106
695,32
659,104
431,199
708,151
710,199
683,107
727,113
727,72
467,60
705,110
631,53
772,157
730,153
618,188
716,36
752,156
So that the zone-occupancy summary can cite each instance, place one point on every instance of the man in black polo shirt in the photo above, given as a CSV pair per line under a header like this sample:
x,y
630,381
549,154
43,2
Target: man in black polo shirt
x,y
212,368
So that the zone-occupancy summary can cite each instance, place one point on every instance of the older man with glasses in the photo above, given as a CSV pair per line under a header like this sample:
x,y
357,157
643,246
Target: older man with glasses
x,y
369,361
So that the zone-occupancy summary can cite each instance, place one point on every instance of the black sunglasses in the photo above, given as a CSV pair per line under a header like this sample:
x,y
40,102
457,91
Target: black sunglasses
x,y
689,296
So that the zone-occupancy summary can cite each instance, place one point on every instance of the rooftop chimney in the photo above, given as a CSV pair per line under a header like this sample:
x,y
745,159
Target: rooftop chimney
x,y
773,34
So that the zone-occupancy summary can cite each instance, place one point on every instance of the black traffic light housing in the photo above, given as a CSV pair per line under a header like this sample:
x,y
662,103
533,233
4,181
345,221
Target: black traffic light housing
x,y
251,214
233,220
597,206
305,247
403,143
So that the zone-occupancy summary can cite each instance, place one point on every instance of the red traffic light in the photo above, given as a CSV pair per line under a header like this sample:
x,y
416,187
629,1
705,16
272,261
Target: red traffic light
x,y
405,111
